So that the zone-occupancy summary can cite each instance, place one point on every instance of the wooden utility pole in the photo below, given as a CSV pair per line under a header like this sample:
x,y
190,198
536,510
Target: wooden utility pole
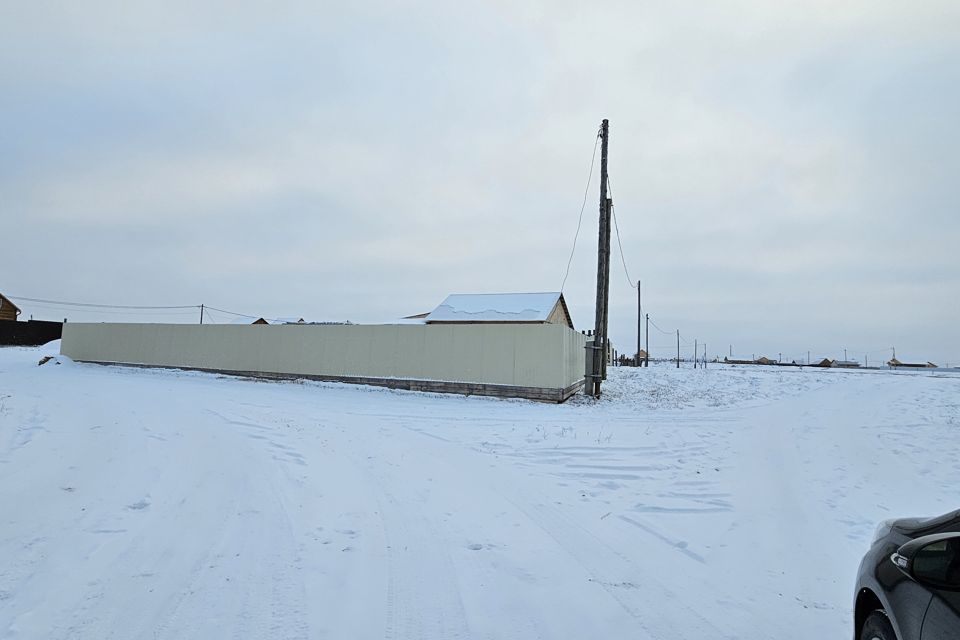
x,y
646,358
678,348
704,355
696,353
201,315
603,271
606,286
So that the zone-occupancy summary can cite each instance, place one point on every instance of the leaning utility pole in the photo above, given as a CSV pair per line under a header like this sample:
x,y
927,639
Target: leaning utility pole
x,y
201,315
603,272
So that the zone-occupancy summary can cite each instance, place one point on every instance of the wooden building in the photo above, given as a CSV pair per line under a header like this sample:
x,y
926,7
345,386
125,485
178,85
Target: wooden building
x,y
8,310
896,364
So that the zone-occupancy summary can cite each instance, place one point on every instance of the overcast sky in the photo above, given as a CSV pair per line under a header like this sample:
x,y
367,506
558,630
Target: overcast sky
x,y
785,173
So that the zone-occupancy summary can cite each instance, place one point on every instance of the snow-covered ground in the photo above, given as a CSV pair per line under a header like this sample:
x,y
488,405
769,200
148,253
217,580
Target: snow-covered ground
x,y
726,503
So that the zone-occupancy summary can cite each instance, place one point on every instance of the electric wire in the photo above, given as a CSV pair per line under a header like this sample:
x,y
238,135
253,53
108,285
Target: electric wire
x,y
668,333
128,309
613,214
104,306
583,206
243,315
49,307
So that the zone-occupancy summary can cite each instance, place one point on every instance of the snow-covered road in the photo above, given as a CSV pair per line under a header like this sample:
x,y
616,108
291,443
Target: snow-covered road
x,y
727,503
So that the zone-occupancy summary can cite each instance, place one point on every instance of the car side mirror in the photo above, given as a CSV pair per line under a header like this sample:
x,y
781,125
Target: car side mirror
x,y
933,561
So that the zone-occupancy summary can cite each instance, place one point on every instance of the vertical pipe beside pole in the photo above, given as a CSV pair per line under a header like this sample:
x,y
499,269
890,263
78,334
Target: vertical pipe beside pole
x,y
646,358
639,324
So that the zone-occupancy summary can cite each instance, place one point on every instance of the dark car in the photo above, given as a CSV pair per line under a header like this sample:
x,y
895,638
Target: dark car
x,y
908,586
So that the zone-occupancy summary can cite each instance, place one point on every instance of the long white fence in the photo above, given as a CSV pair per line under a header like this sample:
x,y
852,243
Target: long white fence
x,y
542,362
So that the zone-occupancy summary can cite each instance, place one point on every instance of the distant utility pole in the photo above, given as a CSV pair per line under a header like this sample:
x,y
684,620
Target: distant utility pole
x,y
731,351
678,348
865,365
779,357
201,314
696,353
808,357
844,355
603,271
639,323
704,355
646,358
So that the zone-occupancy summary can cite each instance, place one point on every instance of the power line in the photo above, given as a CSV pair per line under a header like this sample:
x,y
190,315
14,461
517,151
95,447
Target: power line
x,y
104,306
583,206
616,226
242,315
668,333
115,312
127,309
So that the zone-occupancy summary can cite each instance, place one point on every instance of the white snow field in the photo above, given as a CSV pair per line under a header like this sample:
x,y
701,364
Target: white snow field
x,y
726,503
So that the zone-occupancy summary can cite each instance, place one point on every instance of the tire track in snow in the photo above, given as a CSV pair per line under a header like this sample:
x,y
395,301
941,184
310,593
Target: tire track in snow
x,y
422,598
607,568
244,583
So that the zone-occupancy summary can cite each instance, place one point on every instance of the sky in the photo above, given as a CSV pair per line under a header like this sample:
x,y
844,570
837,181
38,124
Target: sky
x,y
784,173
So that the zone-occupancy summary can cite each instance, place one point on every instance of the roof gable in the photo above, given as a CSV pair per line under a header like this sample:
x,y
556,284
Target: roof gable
x,y
5,301
497,307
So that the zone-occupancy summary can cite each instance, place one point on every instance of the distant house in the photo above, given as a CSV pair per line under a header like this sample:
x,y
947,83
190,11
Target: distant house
x,y
846,364
8,310
760,360
896,364
500,308
826,362
284,321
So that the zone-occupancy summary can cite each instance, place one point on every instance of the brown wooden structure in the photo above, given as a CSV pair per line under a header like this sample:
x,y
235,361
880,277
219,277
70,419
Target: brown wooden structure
x,y
8,310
